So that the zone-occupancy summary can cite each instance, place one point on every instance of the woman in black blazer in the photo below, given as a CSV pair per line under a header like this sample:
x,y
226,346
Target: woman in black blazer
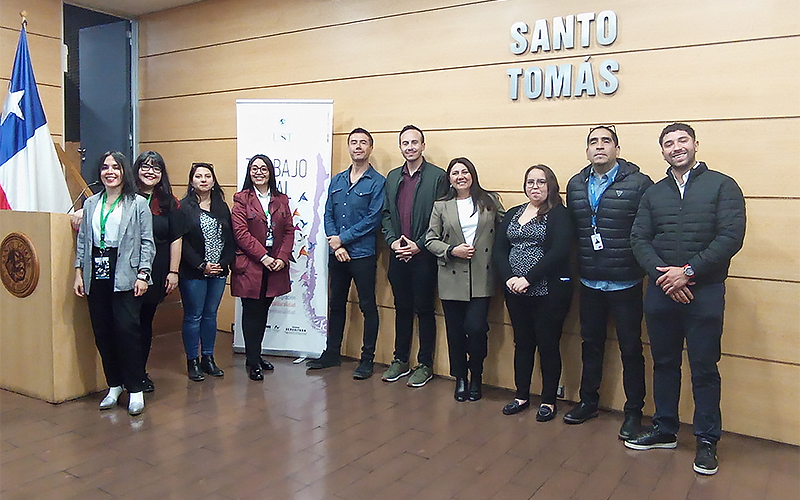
x,y
532,257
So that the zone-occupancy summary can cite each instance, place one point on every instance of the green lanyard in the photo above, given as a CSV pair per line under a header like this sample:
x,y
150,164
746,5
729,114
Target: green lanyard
x,y
104,218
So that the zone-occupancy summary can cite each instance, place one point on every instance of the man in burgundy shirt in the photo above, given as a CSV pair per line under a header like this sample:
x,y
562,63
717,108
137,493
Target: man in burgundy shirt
x,y
410,191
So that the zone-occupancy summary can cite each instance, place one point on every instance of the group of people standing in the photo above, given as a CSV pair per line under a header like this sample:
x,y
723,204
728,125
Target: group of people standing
x,y
442,228
136,243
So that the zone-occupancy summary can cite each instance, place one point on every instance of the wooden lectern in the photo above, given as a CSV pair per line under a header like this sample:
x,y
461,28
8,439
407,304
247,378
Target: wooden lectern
x,y
46,342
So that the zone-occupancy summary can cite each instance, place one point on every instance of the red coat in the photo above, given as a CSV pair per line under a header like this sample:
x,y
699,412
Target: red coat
x,y
250,232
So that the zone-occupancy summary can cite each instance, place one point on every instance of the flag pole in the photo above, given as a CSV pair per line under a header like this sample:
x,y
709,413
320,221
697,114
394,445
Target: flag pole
x,y
24,16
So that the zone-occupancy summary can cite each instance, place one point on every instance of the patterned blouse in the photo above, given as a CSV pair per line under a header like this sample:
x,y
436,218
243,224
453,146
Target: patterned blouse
x,y
527,249
212,234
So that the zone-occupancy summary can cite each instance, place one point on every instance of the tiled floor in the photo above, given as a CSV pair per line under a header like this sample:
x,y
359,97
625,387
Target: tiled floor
x,y
322,435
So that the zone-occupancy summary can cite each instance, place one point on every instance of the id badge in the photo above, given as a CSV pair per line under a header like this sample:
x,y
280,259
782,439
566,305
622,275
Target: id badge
x,y
597,242
102,267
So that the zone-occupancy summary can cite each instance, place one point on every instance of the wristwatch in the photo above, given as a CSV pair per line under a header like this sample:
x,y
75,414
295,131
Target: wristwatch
x,y
143,275
688,271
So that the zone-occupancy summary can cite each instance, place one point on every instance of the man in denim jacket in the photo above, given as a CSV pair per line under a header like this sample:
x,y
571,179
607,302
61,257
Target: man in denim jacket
x,y
352,218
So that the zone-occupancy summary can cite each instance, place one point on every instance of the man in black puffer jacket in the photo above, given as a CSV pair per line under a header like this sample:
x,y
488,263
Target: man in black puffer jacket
x,y
603,199
688,227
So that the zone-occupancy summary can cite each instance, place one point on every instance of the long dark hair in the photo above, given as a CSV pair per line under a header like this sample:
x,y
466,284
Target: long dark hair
x,y
162,191
482,199
271,182
218,206
553,196
129,187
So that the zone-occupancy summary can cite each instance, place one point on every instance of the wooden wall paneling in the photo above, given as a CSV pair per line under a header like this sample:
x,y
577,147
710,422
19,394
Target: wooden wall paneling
x,y
478,97
45,56
44,16
772,242
221,21
772,385
762,320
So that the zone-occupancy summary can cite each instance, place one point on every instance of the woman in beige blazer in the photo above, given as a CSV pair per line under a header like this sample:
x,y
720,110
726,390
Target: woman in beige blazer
x,y
461,236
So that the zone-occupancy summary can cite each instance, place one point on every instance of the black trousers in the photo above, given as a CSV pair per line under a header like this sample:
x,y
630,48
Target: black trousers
x,y
625,307
362,272
467,326
537,323
414,288
148,312
254,322
115,322
700,323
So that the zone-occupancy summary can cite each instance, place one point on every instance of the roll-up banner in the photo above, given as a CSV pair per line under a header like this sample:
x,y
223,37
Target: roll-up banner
x,y
297,136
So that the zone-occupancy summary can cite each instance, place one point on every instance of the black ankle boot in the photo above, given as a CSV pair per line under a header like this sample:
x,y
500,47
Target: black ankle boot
x,y
193,366
461,389
208,365
476,388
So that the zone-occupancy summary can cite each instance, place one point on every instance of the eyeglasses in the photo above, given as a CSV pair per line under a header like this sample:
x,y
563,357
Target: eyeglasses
x,y
155,168
264,170
536,182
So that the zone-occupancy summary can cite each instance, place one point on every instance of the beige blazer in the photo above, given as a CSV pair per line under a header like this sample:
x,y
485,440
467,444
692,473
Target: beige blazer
x,y
462,279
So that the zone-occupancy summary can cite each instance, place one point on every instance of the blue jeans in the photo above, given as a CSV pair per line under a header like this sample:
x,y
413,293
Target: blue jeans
x,y
201,300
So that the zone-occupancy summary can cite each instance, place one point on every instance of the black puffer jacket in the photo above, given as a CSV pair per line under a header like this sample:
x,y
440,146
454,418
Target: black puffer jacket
x,y
705,229
615,214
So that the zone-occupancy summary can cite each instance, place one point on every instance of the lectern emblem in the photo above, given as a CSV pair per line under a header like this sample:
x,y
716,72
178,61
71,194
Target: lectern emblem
x,y
19,265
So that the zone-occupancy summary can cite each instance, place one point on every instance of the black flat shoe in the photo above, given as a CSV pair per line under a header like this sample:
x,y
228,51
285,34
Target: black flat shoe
x,y
461,390
254,373
266,365
475,388
546,413
515,407
149,386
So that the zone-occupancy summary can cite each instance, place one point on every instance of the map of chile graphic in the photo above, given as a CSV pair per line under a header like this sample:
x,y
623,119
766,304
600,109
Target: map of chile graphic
x,y
309,277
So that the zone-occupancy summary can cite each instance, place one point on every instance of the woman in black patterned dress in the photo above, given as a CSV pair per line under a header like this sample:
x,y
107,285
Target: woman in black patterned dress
x,y
532,258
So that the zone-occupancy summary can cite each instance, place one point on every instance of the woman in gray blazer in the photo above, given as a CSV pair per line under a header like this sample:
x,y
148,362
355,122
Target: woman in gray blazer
x,y
114,256
461,235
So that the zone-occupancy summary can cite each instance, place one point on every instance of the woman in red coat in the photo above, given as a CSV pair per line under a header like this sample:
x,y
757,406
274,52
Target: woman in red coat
x,y
264,233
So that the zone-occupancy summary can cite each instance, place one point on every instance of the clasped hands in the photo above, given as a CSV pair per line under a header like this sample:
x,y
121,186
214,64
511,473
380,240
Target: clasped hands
x,y
518,284
273,264
404,248
675,284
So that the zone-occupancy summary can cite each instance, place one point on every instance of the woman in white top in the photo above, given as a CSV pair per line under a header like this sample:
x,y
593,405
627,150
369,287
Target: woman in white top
x,y
461,236
114,256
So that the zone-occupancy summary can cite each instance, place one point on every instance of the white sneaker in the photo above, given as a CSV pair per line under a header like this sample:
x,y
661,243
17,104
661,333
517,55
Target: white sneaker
x,y
135,403
111,398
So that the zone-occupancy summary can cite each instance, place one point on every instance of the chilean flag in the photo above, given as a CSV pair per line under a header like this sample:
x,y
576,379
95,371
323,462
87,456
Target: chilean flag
x,y
31,178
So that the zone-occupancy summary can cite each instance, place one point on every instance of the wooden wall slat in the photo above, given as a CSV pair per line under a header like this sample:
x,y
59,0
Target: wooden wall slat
x,y
373,47
44,16
45,57
478,97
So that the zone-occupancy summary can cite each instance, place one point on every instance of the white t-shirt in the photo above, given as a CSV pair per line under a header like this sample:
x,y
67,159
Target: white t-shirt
x,y
468,219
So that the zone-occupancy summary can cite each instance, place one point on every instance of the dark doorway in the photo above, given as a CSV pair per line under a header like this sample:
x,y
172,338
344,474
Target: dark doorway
x,y
97,85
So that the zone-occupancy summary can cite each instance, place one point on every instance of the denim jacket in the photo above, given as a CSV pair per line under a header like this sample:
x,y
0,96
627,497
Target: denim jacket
x,y
353,212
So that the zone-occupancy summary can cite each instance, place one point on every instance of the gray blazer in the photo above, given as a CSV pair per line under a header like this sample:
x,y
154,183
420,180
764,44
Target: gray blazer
x,y
462,279
136,245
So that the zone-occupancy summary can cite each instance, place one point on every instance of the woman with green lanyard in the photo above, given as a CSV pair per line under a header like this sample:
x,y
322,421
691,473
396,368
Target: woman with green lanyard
x,y
114,256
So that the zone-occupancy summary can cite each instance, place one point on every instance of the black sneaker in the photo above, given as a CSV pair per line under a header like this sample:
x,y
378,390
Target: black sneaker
x,y
324,361
364,370
631,426
651,438
580,413
705,460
